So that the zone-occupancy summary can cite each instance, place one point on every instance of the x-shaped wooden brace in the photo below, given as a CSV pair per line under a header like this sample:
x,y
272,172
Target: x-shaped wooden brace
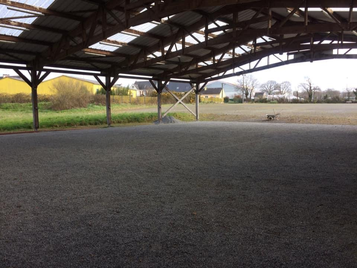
x,y
179,101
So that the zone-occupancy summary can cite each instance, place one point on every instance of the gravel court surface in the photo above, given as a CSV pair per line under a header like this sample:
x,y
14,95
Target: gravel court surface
x,y
201,194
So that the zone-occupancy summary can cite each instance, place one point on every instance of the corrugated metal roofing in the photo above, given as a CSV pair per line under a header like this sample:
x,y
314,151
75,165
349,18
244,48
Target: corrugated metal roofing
x,y
72,6
144,41
186,19
6,12
200,52
285,12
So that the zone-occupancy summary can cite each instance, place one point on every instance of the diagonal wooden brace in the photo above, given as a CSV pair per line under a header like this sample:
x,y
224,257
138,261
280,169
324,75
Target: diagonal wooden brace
x,y
179,101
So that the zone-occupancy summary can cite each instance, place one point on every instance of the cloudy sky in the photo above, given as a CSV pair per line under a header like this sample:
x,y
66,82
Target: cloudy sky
x,y
335,74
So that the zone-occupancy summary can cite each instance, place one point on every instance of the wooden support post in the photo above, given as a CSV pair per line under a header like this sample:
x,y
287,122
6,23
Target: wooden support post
x,y
35,107
159,91
159,88
34,81
198,89
159,100
108,100
107,85
197,100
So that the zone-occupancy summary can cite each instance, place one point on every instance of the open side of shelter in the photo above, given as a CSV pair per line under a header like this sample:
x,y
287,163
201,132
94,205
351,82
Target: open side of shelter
x,y
168,40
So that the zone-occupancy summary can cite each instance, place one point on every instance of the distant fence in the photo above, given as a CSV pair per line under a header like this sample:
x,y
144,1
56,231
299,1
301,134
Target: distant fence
x,y
166,99
129,99
211,100
116,99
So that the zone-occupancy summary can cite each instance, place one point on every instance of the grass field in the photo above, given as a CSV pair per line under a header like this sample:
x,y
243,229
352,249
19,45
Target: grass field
x,y
19,116
332,114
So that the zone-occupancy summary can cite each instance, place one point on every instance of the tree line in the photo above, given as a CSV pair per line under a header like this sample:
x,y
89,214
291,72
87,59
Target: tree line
x,y
307,91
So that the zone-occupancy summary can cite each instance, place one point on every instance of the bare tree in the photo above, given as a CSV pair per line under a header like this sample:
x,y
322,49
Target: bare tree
x,y
309,88
247,85
270,86
331,93
349,92
285,87
295,93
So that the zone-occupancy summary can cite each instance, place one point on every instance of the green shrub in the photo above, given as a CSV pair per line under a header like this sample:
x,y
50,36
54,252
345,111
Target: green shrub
x,y
121,91
98,99
22,98
101,91
237,99
43,98
5,98
282,100
262,100
69,95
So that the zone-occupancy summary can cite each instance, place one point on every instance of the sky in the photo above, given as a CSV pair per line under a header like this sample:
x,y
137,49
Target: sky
x,y
337,74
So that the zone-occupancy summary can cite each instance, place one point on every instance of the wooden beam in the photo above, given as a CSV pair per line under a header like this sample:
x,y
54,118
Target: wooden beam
x,y
333,16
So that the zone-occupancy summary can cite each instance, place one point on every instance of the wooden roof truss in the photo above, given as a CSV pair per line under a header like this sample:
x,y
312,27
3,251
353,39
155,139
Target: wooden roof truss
x,y
225,38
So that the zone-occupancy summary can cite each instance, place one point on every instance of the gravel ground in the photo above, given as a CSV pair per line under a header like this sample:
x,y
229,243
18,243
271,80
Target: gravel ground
x,y
200,194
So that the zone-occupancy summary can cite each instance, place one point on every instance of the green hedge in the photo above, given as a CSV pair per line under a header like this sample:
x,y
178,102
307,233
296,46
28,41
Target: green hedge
x,y
88,120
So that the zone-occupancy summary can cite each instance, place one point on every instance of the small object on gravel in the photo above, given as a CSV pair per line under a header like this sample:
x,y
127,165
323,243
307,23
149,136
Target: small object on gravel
x,y
167,120
272,116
